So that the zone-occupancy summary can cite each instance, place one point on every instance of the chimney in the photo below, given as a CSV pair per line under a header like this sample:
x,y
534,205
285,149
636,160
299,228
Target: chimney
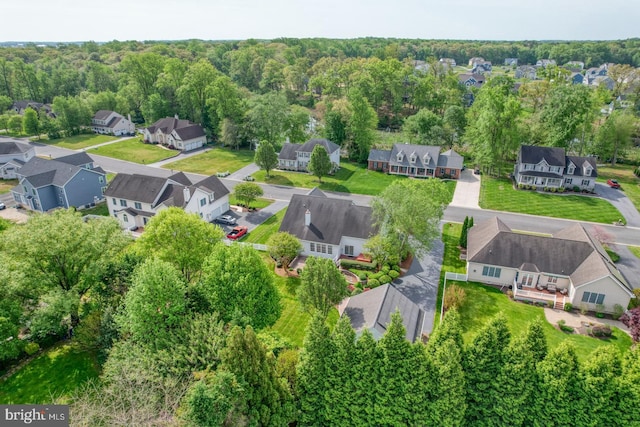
x,y
186,193
307,218
176,116
129,117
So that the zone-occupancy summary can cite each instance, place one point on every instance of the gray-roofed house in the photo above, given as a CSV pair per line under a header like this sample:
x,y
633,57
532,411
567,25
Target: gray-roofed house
x,y
69,181
13,155
174,132
111,123
295,157
135,198
569,267
372,310
423,161
328,227
551,167
471,79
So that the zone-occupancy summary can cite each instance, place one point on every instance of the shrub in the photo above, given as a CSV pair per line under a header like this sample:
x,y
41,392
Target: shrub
x,y
550,304
453,297
568,307
600,331
600,310
373,283
561,190
520,186
583,308
393,274
362,277
385,279
636,172
299,271
632,320
563,326
385,268
618,310
612,254
576,189
376,275
32,348
347,263
554,189
396,267
510,294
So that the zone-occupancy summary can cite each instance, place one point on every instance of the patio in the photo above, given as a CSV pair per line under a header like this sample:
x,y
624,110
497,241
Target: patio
x,y
550,293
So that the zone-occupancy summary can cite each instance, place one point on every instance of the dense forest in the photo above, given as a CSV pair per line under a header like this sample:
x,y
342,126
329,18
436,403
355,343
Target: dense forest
x,y
254,90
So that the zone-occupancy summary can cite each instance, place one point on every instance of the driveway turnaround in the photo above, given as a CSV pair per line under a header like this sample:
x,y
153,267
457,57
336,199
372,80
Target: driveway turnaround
x,y
420,283
467,191
620,200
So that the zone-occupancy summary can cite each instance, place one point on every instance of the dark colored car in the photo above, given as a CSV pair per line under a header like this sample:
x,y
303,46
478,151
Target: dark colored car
x,y
613,183
226,219
477,171
237,232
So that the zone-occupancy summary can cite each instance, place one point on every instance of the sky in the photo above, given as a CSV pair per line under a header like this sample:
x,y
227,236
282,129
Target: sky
x,y
83,20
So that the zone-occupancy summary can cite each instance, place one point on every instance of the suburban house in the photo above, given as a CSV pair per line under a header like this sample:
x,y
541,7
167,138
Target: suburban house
x,y
13,155
295,157
511,62
21,106
545,62
423,161
475,61
328,227
569,267
447,62
576,78
134,198
60,183
469,79
112,123
526,72
482,68
551,167
175,133
372,310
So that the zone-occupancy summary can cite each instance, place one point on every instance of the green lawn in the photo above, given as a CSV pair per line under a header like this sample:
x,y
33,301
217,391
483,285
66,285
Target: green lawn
x,y
635,250
499,194
101,209
262,232
134,151
259,203
351,178
80,141
7,184
53,374
214,161
292,323
484,302
629,183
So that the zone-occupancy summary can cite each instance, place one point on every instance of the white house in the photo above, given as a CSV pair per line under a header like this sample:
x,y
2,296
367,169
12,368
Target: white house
x,y
569,267
13,155
328,227
112,123
134,199
296,156
175,133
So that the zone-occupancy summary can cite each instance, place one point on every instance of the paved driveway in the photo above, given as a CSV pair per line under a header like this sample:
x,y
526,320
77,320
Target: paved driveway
x,y
621,202
629,265
420,283
467,191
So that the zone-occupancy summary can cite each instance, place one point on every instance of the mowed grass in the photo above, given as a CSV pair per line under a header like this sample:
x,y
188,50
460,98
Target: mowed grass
x,y
629,183
7,184
101,209
214,161
53,374
635,250
78,142
293,320
259,203
134,150
261,233
483,302
499,194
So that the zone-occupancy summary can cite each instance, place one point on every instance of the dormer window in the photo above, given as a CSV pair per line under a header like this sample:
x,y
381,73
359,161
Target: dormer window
x,y
587,171
570,169
400,156
412,159
427,159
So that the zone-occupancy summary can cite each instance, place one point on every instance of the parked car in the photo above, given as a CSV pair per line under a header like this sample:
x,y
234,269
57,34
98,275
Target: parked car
x,y
237,232
226,219
223,174
613,183
2,206
249,178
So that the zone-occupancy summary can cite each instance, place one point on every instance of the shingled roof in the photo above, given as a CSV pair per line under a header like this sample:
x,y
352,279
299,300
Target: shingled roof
x,y
330,219
13,147
184,128
533,154
41,172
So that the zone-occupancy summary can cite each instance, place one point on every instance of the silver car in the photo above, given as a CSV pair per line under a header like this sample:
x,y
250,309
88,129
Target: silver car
x,y
226,219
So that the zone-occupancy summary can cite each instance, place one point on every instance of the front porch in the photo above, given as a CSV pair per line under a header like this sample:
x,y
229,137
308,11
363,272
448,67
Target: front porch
x,y
557,296
540,181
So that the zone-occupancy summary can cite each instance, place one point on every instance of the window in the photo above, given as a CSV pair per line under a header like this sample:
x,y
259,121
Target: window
x,y
348,250
101,179
330,250
123,203
593,298
33,190
442,171
312,247
399,157
138,205
552,279
586,182
114,201
568,180
125,218
570,170
491,271
103,189
211,198
203,202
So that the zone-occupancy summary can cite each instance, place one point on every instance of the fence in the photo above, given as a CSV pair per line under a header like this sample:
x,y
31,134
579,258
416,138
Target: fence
x,y
448,275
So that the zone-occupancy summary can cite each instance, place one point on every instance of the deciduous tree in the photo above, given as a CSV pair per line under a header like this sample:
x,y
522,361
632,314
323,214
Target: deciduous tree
x,y
362,124
319,163
283,247
30,123
266,157
248,192
323,286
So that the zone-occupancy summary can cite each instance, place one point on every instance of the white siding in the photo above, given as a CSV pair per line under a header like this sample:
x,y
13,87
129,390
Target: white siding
x,y
358,245
614,294
474,273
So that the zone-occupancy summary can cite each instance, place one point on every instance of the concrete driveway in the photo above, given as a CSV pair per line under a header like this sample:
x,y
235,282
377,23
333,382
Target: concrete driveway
x,y
420,283
629,265
467,191
621,202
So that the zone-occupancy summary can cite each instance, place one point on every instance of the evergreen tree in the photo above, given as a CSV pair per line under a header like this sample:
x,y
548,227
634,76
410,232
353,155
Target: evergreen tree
x,y
450,328
312,371
448,405
470,223
602,373
463,233
483,363
367,379
536,341
340,386
629,388
560,395
267,400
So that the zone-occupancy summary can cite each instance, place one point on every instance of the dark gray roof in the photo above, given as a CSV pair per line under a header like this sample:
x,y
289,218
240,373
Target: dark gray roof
x,y
450,159
190,132
214,185
103,114
77,159
431,161
40,172
288,151
372,310
184,128
180,178
534,154
141,188
579,161
379,155
136,212
13,147
308,146
330,219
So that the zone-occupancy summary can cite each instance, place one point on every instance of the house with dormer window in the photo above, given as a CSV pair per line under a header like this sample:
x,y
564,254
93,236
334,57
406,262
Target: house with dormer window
x,y
420,161
111,123
295,157
550,167
134,198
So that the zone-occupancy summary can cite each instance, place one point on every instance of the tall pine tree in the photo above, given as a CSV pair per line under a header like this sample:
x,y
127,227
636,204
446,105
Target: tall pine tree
x,y
340,385
463,233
